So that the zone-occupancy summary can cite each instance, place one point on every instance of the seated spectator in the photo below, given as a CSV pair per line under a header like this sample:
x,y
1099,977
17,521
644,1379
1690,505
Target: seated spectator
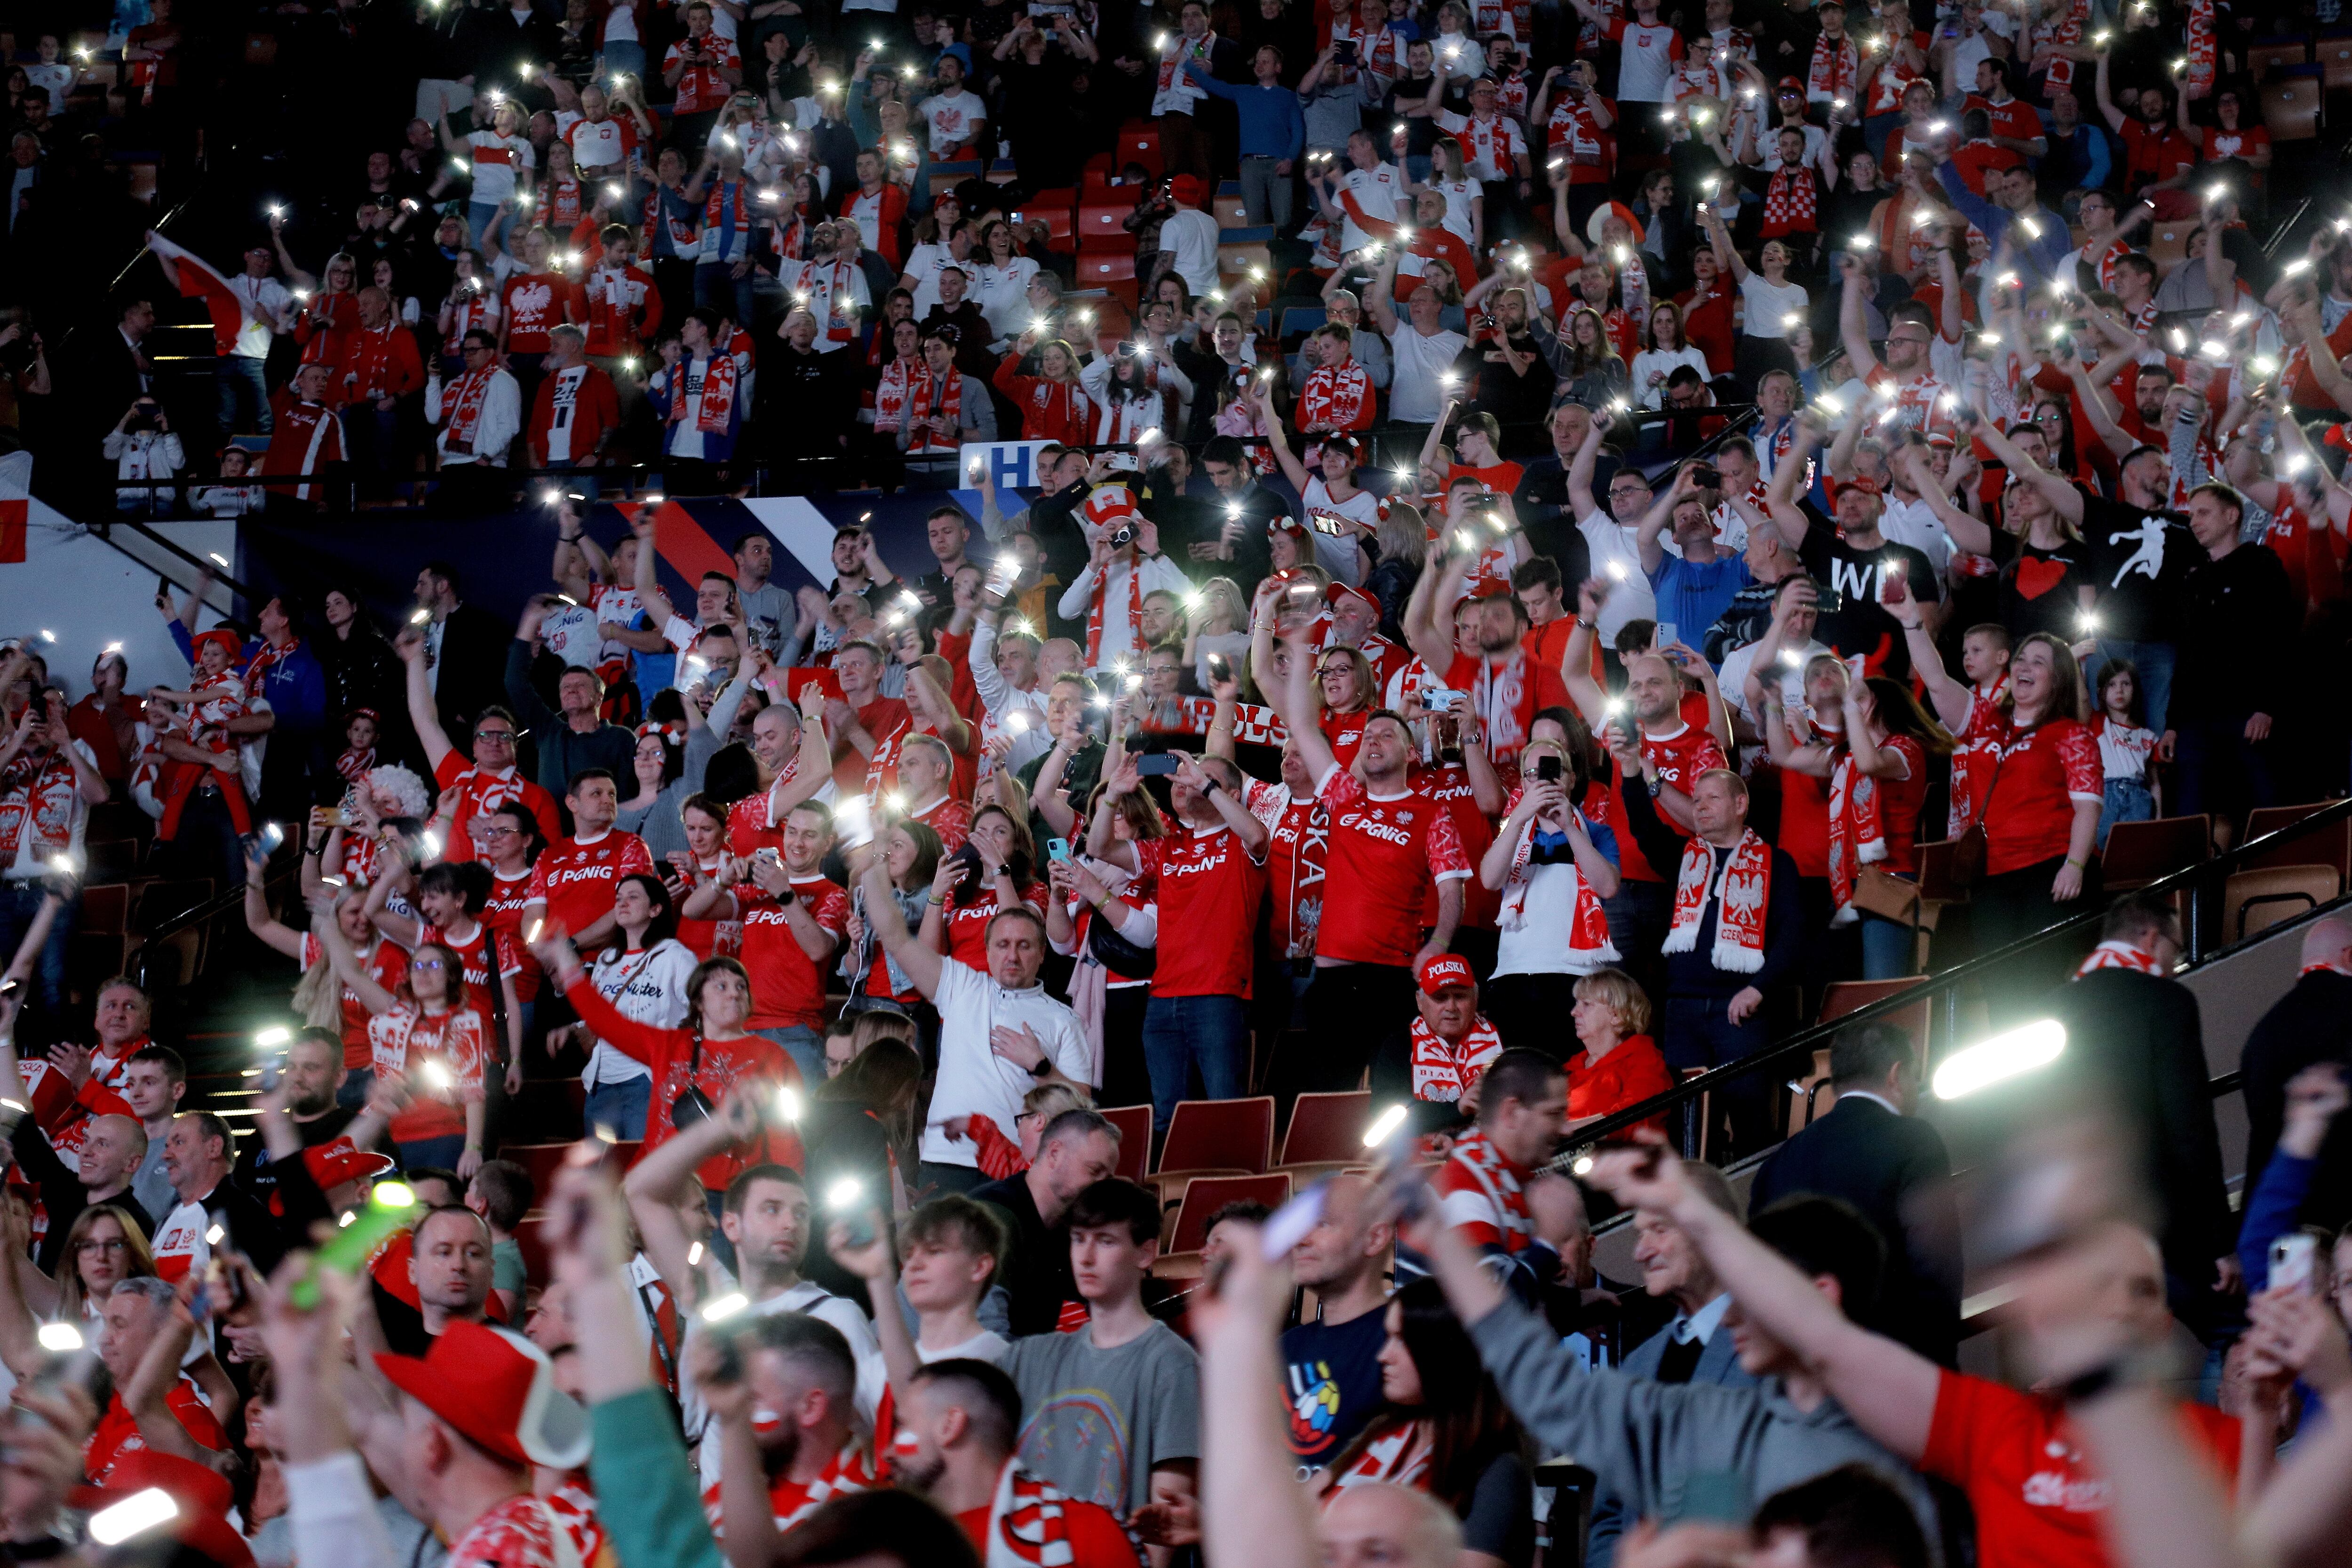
x,y
1076,1149
1619,1065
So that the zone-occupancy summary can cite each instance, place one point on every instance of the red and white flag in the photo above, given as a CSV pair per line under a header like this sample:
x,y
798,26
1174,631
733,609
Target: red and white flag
x,y
197,281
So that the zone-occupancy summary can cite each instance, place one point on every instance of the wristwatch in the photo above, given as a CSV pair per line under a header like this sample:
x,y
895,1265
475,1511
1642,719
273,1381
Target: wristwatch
x,y
1042,1067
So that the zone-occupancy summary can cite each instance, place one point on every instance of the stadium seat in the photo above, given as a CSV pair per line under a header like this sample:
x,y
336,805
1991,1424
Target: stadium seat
x,y
2264,53
1102,224
945,177
1105,270
1204,1195
1811,1095
1215,1138
2254,902
1057,209
1246,253
1134,1124
1300,320
542,1161
1840,998
2167,245
1227,206
99,946
2137,853
1139,142
2293,99
2330,846
2334,57
1326,1128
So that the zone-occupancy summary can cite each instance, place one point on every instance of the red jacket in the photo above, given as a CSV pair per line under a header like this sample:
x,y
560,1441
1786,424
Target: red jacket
x,y
592,407
383,363
890,222
623,310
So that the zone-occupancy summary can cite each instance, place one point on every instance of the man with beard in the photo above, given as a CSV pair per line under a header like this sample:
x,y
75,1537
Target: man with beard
x,y
773,1471
1853,559
1504,685
956,1440
313,1071
437,1274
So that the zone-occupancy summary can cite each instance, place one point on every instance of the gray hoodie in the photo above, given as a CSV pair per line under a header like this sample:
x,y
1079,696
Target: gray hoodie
x,y
1649,1442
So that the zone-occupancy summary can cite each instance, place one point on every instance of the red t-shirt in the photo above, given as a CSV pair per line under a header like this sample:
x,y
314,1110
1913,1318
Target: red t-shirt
x,y
1805,821
2153,155
1706,323
715,1068
1345,731
536,301
701,86
2042,772
951,820
400,1041
966,925
2245,142
1448,783
1689,752
2038,1504
503,914
1385,851
787,985
1900,802
387,966
575,878
1208,889
117,1432
886,720
483,791
474,955
1507,696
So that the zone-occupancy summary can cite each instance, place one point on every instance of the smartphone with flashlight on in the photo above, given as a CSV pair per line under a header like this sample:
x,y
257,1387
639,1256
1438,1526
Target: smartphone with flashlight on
x,y
2291,1261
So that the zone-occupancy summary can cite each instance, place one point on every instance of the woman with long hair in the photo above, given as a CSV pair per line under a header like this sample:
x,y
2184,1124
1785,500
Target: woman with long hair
x,y
911,852
1586,360
103,1247
1669,351
424,1028
1220,626
1052,403
1442,1428
705,824
1000,287
362,669
643,972
1553,867
860,1123
710,1053
320,997
895,386
966,892
2037,811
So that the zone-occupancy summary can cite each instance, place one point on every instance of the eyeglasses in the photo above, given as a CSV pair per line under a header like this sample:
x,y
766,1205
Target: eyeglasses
x,y
500,832
113,1244
505,736
1906,338
433,964
1631,489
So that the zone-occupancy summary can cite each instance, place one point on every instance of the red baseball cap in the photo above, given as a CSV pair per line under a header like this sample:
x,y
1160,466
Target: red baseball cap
x,y
200,1494
498,1389
1445,972
1862,483
1338,591
332,1164
1791,84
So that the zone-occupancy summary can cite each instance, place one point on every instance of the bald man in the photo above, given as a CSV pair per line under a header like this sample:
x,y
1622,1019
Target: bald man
x,y
113,1147
1334,1359
1387,1526
2312,1023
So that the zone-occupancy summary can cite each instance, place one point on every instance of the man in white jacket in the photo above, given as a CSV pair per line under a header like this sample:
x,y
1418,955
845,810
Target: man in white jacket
x,y
1124,563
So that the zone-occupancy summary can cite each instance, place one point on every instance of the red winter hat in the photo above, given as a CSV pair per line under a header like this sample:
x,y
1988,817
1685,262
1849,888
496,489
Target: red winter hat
x,y
1186,189
229,643
200,1494
1445,971
498,1389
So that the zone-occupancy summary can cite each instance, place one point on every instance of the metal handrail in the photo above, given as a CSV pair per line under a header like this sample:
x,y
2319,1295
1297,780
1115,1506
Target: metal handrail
x,y
1947,983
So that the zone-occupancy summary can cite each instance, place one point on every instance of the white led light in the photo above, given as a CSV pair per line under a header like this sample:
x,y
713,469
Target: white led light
x,y
1383,1125
718,1309
134,1515
2004,1055
60,1339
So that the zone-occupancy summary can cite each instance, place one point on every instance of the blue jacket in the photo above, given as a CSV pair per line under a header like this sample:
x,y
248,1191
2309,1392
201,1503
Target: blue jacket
x,y
295,687
1273,124
2039,255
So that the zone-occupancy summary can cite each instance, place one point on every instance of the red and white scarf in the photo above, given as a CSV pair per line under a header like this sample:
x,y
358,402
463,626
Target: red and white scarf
x,y
1856,838
1134,614
2119,955
1396,1458
1836,65
937,394
1789,202
718,392
356,764
2200,49
1026,1524
1336,398
1444,1070
563,209
2064,30
463,403
1746,886
1588,932
1975,758
895,392
42,791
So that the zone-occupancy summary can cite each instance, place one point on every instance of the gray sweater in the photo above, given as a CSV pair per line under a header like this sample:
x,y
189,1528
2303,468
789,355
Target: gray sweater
x,y
1649,1441
660,825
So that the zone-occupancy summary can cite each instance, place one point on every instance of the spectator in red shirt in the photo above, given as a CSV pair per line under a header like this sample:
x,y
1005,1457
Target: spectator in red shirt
x,y
1388,843
793,920
862,724
577,414
1619,1065
2158,161
2097,1303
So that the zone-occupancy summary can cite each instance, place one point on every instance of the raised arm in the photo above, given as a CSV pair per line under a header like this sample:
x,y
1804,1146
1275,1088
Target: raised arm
x,y
422,713
347,968
922,966
1890,1391
1580,472
1428,616
2114,116
1953,701
1853,327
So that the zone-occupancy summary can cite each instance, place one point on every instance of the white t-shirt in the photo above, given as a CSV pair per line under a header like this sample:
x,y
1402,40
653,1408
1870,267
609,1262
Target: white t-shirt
x,y
952,117
1914,524
1415,394
1458,194
1378,190
649,986
496,161
598,144
1652,366
1191,234
1733,678
569,632
873,1376
924,265
1646,64
55,78
1610,545
1770,306
1342,524
1003,294
1768,138
973,1080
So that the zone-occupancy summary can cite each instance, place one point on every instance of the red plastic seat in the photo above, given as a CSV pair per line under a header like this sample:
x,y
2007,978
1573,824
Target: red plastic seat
x,y
1113,271
1219,1135
1327,1127
1058,211
1139,142
1134,1124
1204,1195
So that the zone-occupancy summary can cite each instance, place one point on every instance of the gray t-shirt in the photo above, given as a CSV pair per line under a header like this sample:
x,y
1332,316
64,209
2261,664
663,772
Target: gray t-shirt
x,y
150,1187
1096,1420
771,616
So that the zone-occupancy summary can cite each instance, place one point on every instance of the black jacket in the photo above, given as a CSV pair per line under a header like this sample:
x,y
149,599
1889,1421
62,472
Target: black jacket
x,y
2311,1023
2135,1047
1895,1171
1694,974
473,662
1037,1274
62,1195
2238,626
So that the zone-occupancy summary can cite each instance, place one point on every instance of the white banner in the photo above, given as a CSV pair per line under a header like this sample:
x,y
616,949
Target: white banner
x,y
76,595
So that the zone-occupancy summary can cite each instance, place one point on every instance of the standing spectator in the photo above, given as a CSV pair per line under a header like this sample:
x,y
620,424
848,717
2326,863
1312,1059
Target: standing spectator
x,y
306,441
264,306
147,456
2239,616
476,419
1871,1150
497,161
697,397
49,782
380,371
1177,98
948,409
576,415
2309,1025
1273,134
1424,350
1554,869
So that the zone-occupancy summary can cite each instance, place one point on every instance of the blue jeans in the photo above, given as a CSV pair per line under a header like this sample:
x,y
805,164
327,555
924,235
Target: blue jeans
x,y
2153,659
621,1106
1888,950
2128,799
1194,1039
804,1046
623,56
19,902
239,380
715,290
479,218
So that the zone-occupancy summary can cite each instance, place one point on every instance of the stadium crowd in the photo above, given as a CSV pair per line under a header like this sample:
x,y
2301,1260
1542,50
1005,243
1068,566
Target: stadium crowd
x,y
1547,517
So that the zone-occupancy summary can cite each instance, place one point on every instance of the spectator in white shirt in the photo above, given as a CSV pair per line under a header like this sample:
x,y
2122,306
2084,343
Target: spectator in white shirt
x,y
1424,352
266,305
1187,240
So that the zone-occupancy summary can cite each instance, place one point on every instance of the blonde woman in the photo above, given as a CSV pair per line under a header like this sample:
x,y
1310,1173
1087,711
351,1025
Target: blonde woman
x,y
1218,624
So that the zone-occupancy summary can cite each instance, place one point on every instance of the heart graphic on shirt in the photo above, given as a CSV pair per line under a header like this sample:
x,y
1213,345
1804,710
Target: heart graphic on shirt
x,y
2035,578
